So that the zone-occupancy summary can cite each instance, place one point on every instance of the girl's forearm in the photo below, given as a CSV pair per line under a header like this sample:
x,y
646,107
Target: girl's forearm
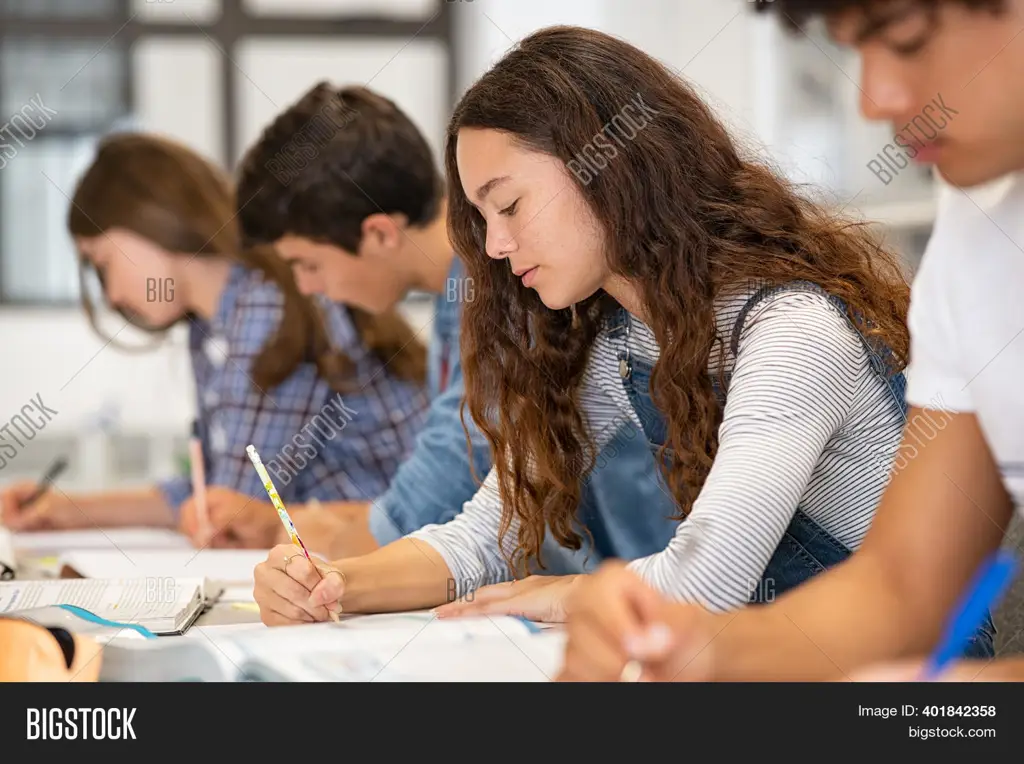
x,y
406,575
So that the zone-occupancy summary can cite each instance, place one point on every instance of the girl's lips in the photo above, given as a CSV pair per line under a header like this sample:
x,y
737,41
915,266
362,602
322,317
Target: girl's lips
x,y
927,154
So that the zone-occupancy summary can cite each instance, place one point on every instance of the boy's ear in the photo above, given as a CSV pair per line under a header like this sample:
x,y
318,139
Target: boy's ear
x,y
381,231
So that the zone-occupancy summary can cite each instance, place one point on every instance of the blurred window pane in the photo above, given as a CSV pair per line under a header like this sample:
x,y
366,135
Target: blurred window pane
x,y
396,9
178,11
80,82
58,9
39,259
72,71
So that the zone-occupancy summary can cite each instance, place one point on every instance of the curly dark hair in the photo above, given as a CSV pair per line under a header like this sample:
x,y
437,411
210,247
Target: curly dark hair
x,y
797,12
326,163
684,218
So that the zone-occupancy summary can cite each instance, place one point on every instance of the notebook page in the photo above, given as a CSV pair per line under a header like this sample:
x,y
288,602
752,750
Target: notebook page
x,y
222,565
537,658
414,623
127,600
361,656
358,647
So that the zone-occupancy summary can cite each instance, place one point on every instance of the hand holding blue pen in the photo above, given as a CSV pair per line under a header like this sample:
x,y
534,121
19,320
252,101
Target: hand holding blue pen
x,y
987,588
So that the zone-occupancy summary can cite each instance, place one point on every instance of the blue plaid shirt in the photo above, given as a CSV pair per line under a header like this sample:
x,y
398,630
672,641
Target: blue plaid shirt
x,y
314,442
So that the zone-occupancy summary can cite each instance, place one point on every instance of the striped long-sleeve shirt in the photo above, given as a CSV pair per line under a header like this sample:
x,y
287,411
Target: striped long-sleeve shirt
x,y
807,423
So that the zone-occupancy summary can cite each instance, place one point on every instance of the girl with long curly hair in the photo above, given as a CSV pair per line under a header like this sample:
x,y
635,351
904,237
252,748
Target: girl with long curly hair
x,y
630,264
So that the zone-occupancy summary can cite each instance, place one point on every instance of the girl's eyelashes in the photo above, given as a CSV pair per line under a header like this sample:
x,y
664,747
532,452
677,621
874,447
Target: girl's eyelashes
x,y
909,48
510,210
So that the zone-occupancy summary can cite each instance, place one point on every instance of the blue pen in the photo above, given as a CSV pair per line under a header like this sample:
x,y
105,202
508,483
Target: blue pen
x,y
984,593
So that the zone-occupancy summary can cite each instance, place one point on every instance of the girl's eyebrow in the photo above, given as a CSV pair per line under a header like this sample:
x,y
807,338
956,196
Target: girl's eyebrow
x,y
486,188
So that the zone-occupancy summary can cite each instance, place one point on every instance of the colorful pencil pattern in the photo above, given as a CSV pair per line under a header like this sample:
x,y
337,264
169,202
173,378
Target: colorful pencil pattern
x,y
282,513
275,499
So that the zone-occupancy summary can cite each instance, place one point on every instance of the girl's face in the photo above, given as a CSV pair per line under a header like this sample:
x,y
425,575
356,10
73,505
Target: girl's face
x,y
536,217
139,276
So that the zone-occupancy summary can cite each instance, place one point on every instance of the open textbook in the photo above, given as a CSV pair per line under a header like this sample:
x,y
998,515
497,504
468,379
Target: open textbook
x,y
159,605
382,648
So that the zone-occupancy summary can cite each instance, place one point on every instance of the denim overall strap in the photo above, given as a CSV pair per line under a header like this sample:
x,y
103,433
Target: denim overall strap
x,y
806,548
881,358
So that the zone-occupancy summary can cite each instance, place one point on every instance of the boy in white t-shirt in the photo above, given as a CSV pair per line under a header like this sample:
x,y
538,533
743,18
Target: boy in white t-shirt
x,y
949,76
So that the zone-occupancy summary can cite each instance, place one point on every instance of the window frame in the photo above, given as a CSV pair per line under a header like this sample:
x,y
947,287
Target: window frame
x,y
234,24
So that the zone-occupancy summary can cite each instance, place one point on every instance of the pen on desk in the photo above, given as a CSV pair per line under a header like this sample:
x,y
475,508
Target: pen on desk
x,y
198,468
275,499
984,593
59,465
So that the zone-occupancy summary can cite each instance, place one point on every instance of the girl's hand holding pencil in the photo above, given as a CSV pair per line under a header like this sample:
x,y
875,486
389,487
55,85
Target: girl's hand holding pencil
x,y
313,575
291,589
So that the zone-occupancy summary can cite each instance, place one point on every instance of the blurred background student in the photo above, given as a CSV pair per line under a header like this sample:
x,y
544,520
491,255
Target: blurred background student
x,y
155,222
364,222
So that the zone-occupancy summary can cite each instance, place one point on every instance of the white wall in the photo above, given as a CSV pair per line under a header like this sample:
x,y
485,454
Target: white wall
x,y
708,43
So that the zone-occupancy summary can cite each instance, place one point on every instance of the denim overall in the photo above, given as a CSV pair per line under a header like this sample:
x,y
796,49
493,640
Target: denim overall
x,y
806,548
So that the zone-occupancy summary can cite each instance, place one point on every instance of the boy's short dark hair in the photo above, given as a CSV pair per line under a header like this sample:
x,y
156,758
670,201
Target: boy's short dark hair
x,y
329,161
797,12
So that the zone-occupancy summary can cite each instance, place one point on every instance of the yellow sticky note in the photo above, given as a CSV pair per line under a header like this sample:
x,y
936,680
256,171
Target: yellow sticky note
x,y
250,606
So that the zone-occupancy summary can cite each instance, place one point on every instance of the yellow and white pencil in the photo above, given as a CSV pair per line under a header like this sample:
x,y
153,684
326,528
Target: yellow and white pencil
x,y
275,499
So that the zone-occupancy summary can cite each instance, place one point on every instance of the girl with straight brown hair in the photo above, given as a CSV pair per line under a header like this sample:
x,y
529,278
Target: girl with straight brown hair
x,y
331,412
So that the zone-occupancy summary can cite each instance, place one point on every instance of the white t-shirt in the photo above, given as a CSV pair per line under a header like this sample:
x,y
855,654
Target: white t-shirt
x,y
967,318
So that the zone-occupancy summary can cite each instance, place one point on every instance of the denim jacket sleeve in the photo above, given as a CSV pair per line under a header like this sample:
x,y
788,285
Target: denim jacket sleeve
x,y
431,486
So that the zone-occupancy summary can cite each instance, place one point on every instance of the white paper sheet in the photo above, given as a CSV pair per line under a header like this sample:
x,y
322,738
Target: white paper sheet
x,y
100,538
409,647
233,566
537,658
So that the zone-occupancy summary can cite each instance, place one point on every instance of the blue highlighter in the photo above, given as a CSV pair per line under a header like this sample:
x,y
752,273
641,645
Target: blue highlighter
x,y
986,590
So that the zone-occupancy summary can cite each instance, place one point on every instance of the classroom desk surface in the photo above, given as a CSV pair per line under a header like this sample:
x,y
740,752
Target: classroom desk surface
x,y
228,613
